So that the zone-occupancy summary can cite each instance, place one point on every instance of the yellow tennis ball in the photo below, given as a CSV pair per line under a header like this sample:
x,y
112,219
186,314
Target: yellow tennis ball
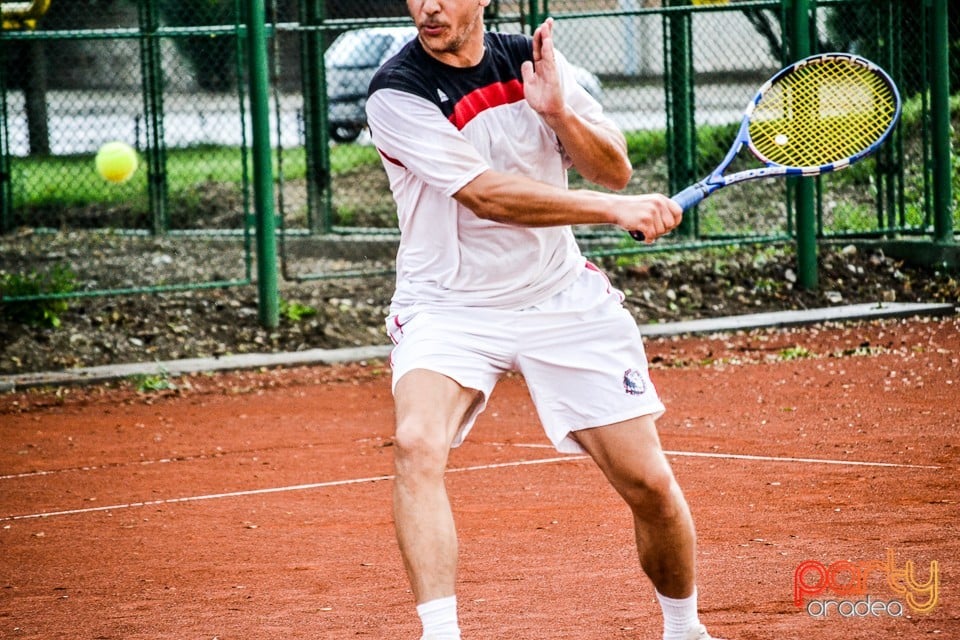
x,y
116,162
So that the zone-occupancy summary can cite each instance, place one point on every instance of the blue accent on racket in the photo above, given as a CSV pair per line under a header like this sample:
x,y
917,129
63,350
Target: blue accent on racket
x,y
820,114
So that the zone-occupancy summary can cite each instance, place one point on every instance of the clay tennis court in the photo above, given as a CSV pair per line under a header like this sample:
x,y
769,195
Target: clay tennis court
x,y
257,504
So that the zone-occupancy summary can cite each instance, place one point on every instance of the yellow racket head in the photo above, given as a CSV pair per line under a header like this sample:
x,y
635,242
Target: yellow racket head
x,y
826,110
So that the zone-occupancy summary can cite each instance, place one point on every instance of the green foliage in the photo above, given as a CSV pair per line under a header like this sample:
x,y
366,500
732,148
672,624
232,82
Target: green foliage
x,y
58,280
915,182
795,353
862,28
185,166
155,382
848,216
57,184
344,157
296,311
646,146
711,224
768,285
713,143
345,215
67,181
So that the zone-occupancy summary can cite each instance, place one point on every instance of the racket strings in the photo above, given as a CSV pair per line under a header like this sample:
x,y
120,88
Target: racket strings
x,y
821,114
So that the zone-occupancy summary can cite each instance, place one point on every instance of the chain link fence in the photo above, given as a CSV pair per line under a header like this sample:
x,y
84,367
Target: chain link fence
x,y
689,70
170,77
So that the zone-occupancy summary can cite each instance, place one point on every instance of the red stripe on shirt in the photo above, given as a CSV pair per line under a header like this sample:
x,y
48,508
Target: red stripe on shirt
x,y
490,96
393,160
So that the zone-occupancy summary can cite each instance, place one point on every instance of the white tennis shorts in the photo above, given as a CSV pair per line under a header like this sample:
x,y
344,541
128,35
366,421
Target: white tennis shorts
x,y
580,353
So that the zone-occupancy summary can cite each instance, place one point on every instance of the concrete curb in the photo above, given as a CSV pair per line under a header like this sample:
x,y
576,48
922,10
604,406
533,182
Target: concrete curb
x,y
173,368
865,311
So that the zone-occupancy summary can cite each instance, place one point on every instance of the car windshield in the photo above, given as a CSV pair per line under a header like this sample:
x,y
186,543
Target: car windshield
x,y
358,49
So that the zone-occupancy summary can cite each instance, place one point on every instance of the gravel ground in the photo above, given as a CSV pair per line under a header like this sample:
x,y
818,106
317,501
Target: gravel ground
x,y
349,311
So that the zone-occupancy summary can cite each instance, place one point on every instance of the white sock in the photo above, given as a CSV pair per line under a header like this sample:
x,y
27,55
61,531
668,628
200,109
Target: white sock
x,y
439,619
679,616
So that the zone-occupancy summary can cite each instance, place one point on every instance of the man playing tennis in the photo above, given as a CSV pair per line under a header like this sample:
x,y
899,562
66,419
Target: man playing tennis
x,y
476,131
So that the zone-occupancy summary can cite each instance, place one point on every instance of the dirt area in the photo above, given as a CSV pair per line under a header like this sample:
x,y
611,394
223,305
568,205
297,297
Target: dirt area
x,y
346,312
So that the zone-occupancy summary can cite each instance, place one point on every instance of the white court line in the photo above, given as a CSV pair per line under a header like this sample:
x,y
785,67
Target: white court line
x,y
258,492
103,467
851,463
484,467
739,456
519,445
211,496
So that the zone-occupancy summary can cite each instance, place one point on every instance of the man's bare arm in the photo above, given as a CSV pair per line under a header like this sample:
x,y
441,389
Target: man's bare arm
x,y
598,151
517,200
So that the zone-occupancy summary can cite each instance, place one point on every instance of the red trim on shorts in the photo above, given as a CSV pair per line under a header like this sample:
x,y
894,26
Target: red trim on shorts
x,y
399,328
592,267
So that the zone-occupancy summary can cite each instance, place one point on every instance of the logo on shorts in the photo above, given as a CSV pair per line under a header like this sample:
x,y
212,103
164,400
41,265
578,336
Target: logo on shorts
x,y
634,383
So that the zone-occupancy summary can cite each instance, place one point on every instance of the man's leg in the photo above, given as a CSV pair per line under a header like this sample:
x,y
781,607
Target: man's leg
x,y
630,456
430,408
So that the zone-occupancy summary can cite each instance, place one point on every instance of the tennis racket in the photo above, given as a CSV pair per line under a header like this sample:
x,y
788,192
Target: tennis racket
x,y
818,115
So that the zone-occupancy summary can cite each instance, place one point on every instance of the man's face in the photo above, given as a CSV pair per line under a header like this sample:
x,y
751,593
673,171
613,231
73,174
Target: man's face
x,y
450,30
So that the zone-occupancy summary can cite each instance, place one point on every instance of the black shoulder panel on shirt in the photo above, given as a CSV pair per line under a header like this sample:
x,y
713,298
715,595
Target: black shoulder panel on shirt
x,y
414,71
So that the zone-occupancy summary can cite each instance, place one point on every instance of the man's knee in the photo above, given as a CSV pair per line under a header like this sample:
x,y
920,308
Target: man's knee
x,y
420,449
653,493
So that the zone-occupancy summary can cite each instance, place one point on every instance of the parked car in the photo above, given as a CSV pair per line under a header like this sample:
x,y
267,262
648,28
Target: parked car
x,y
350,63
353,58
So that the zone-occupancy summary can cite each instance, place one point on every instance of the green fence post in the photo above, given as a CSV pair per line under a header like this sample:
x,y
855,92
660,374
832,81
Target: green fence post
x,y
534,17
889,158
681,126
6,179
151,70
940,122
268,303
805,192
316,141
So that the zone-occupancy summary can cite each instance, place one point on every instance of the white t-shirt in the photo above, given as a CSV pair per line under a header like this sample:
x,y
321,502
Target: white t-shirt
x,y
437,128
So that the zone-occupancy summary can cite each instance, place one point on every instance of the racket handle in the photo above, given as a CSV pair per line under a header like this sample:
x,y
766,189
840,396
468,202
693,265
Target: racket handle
x,y
690,197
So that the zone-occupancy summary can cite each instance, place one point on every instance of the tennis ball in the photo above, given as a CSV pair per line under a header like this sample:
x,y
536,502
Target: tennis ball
x,y
780,139
116,161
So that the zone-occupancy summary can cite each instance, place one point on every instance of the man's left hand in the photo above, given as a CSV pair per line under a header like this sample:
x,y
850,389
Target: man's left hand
x,y
541,80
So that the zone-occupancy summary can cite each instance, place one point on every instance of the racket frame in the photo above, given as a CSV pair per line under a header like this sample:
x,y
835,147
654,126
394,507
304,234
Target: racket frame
x,y
692,195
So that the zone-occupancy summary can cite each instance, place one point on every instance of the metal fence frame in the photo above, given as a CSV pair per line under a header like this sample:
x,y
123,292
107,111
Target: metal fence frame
x,y
257,95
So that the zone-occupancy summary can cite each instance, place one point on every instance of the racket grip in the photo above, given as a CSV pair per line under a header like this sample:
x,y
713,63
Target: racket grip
x,y
690,197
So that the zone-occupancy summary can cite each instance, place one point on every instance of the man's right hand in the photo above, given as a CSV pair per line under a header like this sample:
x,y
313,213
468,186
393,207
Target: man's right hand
x,y
651,214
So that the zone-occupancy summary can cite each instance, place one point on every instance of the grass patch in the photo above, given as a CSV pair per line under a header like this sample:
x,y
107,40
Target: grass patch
x,y
205,186
296,311
58,280
646,146
795,353
152,383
